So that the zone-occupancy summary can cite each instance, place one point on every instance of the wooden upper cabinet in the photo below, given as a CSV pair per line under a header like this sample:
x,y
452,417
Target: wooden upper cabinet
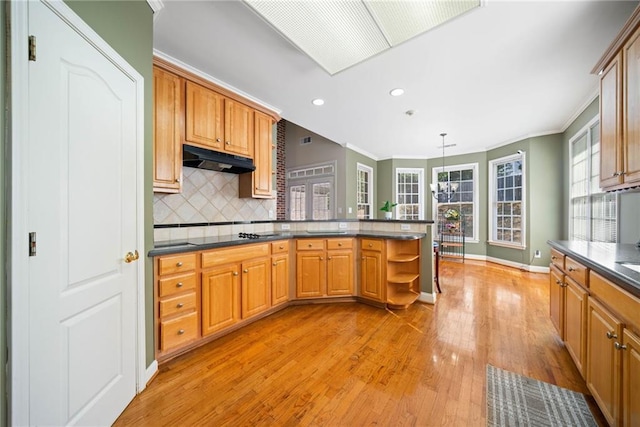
x,y
204,117
610,124
258,184
238,128
631,122
167,131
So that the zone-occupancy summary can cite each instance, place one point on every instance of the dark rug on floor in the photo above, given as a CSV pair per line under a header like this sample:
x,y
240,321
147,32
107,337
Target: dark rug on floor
x,y
514,400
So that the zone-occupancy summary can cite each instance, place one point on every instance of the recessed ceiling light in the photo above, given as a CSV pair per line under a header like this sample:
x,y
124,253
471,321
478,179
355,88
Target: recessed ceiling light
x,y
318,102
396,92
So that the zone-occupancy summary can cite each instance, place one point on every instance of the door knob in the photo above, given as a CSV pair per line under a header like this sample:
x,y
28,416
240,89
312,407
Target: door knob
x,y
131,256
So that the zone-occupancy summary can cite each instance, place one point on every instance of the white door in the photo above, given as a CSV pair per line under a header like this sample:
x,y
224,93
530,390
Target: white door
x,y
81,200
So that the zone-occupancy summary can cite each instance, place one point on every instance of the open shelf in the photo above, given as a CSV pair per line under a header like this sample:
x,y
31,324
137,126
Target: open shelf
x,y
403,257
402,299
403,277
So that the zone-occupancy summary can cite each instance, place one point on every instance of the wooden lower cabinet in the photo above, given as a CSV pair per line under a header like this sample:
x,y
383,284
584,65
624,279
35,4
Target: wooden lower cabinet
x,y
256,287
220,298
630,378
311,268
575,322
556,299
324,267
603,359
340,272
279,279
372,284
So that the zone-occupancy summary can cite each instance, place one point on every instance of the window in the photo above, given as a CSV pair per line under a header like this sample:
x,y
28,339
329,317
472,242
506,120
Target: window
x,y
593,214
311,193
364,192
506,201
464,200
409,194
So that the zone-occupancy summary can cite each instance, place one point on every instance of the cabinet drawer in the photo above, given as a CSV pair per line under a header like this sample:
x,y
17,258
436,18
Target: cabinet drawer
x,y
371,245
310,245
576,271
176,284
236,254
339,244
176,263
280,247
617,299
557,259
179,304
176,332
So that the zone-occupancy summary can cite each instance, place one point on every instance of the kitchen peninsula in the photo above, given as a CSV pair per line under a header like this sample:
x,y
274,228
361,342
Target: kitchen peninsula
x,y
213,279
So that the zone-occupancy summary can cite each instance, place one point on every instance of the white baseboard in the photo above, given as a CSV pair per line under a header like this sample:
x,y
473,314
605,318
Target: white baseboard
x,y
151,371
525,267
427,298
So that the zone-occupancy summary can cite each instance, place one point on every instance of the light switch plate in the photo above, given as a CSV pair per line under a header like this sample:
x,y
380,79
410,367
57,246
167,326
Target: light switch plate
x,y
286,226
405,227
342,225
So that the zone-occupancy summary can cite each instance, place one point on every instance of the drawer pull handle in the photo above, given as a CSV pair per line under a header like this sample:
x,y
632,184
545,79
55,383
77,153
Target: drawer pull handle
x,y
181,331
370,245
179,264
310,245
339,244
558,282
180,305
571,269
611,335
179,285
619,346
281,247
554,257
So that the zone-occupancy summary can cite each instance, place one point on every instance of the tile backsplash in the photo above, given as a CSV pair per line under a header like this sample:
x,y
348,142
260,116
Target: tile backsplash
x,y
209,196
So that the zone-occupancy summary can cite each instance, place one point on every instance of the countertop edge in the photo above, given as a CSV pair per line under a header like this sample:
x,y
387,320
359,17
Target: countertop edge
x,y
236,241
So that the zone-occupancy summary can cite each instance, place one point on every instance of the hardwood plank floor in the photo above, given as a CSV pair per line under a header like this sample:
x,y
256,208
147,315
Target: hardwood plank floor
x,y
352,364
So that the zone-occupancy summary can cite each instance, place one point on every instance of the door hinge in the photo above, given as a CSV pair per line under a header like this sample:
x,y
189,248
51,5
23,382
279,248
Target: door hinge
x,y
32,243
32,48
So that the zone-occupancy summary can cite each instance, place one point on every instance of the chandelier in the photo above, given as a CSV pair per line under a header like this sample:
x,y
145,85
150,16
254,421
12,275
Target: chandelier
x,y
443,191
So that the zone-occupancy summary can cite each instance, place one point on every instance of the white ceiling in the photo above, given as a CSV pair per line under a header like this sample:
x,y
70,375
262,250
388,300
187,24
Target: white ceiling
x,y
500,73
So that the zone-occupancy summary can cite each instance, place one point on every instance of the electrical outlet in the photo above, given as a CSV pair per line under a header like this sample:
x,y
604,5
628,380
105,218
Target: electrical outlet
x,y
537,254
286,226
405,227
342,225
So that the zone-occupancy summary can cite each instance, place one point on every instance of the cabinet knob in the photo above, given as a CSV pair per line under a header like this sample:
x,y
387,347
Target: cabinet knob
x,y
571,269
280,247
235,273
179,264
619,346
370,245
228,142
245,271
611,335
181,331
327,257
310,245
177,179
217,139
180,305
558,282
179,285
553,257
339,244
275,263
321,258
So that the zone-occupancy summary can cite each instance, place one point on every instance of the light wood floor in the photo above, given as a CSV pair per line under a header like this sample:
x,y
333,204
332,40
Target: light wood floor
x,y
352,364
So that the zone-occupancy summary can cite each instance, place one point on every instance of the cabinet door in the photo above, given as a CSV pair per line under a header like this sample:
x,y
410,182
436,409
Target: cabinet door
x,y
631,124
611,124
603,360
630,379
371,285
238,128
280,279
311,273
256,287
204,117
258,184
575,322
339,272
220,298
556,299
167,131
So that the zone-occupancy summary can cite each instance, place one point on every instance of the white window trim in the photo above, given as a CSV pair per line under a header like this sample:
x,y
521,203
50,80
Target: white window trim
x,y
420,172
308,181
369,170
493,202
476,189
585,129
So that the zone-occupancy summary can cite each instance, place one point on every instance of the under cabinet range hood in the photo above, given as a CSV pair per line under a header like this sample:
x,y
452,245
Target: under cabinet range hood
x,y
195,157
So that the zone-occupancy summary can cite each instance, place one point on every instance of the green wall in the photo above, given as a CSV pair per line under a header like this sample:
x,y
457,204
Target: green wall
x,y
4,224
385,185
128,27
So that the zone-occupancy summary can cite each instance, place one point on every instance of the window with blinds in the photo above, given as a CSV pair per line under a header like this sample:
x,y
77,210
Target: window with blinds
x,y
593,214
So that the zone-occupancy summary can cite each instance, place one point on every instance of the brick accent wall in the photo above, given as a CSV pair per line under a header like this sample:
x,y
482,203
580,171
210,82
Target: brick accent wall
x,y
281,212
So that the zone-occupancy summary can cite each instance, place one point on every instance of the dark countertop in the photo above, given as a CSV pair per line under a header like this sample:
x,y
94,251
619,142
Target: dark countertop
x,y
605,259
168,247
